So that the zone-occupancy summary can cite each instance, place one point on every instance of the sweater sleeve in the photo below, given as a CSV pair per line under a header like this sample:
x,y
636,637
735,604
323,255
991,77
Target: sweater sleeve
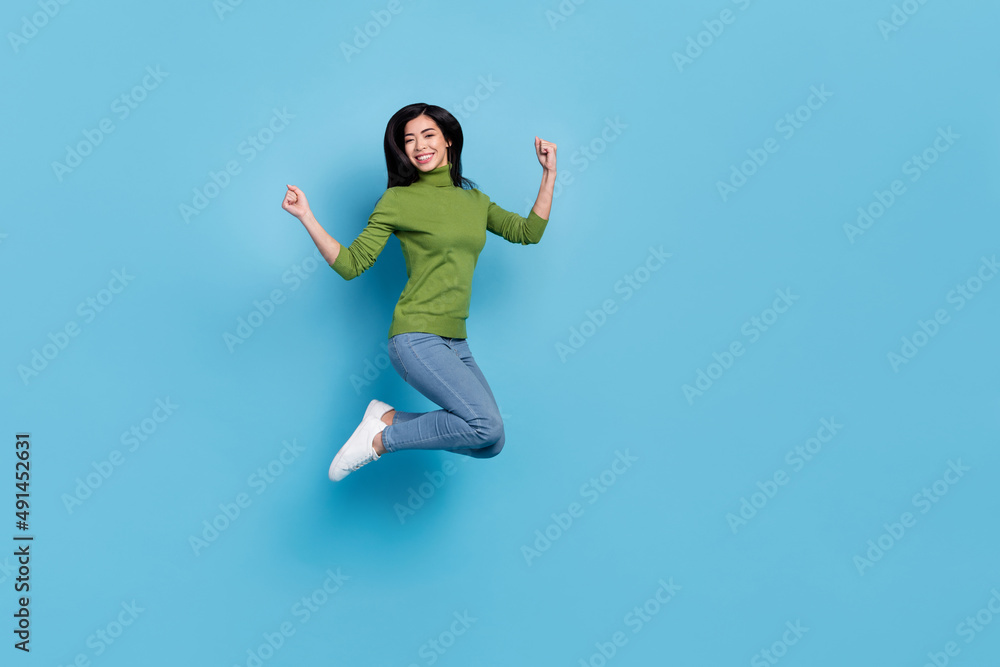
x,y
513,227
355,259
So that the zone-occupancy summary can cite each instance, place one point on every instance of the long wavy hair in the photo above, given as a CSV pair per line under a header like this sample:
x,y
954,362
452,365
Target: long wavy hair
x,y
401,170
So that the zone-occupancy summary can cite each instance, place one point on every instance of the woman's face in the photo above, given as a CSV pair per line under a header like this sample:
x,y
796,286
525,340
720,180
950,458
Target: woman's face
x,y
422,138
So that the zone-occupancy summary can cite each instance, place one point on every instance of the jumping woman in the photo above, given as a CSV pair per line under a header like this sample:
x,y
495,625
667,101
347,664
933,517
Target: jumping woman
x,y
441,221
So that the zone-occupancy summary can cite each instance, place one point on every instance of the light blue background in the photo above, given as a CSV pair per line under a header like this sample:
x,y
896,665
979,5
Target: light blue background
x,y
665,517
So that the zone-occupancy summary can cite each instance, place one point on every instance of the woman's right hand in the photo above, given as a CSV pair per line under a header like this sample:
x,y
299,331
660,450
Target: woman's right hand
x,y
295,202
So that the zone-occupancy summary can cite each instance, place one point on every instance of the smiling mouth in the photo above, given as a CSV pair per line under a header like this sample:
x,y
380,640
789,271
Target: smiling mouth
x,y
424,158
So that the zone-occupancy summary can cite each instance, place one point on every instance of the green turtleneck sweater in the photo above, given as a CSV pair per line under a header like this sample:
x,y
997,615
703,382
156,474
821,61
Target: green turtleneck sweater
x,y
441,230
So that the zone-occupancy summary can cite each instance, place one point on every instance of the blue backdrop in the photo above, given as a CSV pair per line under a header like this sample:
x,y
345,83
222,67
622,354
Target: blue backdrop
x,y
748,377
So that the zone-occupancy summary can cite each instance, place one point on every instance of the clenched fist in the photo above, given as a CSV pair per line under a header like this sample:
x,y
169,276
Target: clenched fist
x,y
295,202
546,152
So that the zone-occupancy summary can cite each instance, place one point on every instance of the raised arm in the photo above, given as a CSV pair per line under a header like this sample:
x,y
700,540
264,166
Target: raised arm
x,y
350,261
355,259
328,246
545,151
516,228
513,227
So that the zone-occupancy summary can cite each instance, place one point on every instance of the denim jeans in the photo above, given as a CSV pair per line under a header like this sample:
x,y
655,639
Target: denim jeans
x,y
443,370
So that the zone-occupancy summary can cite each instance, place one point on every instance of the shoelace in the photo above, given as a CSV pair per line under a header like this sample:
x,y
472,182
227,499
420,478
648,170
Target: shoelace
x,y
367,459
364,461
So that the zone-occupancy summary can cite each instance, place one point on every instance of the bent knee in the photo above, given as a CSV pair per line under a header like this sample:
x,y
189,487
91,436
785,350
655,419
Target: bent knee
x,y
492,430
489,432
492,450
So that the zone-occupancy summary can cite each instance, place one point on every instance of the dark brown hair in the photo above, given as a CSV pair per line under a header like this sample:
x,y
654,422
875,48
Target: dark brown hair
x,y
401,170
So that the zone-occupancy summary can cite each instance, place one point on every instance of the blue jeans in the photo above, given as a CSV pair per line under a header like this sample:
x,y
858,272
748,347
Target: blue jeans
x,y
443,370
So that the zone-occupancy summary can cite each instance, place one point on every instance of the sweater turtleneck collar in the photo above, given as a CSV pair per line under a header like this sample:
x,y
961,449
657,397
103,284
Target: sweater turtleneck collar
x,y
439,176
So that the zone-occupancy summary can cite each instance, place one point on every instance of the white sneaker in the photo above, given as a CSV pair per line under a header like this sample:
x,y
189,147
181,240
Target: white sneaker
x,y
358,450
376,408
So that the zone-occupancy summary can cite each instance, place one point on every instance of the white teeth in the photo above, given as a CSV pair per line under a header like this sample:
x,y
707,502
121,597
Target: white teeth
x,y
424,159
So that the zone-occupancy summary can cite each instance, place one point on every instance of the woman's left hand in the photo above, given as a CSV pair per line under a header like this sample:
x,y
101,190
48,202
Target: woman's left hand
x,y
546,152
